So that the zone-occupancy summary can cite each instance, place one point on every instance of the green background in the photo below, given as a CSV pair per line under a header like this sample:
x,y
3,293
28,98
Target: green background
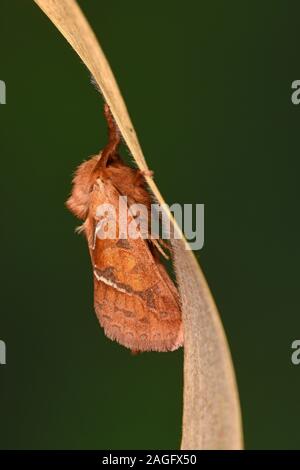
x,y
208,86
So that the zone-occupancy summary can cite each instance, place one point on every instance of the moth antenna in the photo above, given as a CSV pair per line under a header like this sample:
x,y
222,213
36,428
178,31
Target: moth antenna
x,y
114,138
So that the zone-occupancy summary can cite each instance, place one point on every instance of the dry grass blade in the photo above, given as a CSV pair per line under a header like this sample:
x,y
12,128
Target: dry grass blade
x,y
211,415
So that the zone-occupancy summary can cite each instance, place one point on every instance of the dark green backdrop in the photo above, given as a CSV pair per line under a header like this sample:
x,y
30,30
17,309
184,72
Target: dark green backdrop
x,y
208,87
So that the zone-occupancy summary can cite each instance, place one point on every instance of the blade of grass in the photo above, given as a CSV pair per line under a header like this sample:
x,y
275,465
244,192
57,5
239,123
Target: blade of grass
x,y
211,411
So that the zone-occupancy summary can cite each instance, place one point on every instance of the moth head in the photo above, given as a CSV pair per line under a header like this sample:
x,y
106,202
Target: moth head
x,y
83,181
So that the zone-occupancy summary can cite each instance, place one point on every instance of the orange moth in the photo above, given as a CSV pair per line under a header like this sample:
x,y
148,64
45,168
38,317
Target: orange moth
x,y
135,300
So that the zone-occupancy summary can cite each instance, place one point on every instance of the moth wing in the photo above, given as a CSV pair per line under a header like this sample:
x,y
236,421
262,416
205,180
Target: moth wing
x,y
135,300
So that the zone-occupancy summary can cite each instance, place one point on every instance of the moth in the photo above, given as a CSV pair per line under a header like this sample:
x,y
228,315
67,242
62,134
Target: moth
x,y
135,300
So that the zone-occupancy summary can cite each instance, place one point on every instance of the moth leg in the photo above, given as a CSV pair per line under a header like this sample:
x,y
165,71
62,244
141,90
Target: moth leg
x,y
89,228
114,139
80,229
157,244
164,244
140,176
148,173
